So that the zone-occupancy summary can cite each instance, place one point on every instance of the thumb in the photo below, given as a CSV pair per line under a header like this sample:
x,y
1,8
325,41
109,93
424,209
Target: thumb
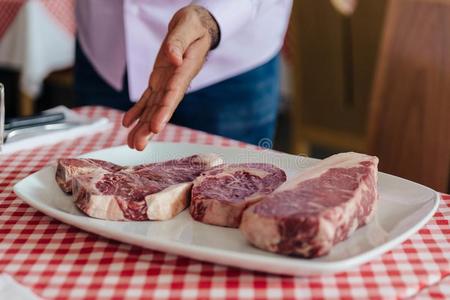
x,y
180,37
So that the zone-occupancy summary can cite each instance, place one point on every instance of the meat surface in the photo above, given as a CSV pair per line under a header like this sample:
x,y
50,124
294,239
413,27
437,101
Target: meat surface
x,y
157,191
320,207
68,168
219,196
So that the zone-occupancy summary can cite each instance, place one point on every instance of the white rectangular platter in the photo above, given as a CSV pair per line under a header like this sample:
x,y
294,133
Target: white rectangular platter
x,y
403,208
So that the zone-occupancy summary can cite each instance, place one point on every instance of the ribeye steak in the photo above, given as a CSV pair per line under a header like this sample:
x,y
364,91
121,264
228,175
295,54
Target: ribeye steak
x,y
156,191
320,207
68,168
220,195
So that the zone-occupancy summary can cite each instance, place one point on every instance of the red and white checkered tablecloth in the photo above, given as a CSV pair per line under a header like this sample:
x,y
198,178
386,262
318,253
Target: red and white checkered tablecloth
x,y
58,261
37,37
62,10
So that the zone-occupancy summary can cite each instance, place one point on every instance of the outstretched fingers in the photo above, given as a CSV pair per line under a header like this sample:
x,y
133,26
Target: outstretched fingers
x,y
165,110
135,112
177,86
139,135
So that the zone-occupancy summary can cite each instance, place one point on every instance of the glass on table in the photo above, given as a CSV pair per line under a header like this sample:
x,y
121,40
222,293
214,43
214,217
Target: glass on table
x,y
2,113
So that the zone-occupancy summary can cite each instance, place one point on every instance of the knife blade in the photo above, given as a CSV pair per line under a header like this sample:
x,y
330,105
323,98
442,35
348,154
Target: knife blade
x,y
38,119
26,132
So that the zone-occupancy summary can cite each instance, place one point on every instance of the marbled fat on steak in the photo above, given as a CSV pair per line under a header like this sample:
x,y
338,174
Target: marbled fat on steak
x,y
219,196
68,168
156,191
322,206
177,170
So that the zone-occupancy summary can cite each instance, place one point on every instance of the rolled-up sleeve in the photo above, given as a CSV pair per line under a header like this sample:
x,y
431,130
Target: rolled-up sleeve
x,y
230,15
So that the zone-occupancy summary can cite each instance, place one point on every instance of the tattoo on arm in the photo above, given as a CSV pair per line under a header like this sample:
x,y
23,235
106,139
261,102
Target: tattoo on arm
x,y
210,24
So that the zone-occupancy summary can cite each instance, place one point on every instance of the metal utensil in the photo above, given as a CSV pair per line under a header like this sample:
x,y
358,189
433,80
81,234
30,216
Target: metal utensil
x,y
25,132
38,119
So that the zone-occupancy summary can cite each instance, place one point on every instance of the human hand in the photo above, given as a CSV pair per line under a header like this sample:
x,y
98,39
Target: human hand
x,y
192,33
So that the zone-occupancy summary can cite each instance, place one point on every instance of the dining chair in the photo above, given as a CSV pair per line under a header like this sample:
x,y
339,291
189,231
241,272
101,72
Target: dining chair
x,y
409,115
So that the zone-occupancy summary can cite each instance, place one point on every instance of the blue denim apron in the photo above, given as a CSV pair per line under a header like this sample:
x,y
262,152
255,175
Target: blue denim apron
x,y
243,107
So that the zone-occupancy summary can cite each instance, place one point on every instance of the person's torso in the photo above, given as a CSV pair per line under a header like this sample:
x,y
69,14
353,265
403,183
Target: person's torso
x,y
119,35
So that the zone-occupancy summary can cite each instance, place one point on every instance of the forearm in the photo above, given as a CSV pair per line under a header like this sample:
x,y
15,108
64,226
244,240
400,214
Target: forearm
x,y
230,15
209,23
191,34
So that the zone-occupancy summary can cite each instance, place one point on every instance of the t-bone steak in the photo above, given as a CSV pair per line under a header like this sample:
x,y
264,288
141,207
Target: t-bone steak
x,y
320,207
68,168
157,191
220,195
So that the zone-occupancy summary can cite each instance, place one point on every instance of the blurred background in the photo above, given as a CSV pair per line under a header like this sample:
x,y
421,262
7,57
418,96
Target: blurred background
x,y
370,76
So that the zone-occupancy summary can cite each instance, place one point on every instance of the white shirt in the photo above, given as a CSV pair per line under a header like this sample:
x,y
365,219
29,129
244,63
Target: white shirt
x,y
127,34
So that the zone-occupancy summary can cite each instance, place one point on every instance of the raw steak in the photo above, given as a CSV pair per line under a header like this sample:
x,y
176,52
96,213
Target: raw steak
x,y
68,168
220,195
156,191
322,206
